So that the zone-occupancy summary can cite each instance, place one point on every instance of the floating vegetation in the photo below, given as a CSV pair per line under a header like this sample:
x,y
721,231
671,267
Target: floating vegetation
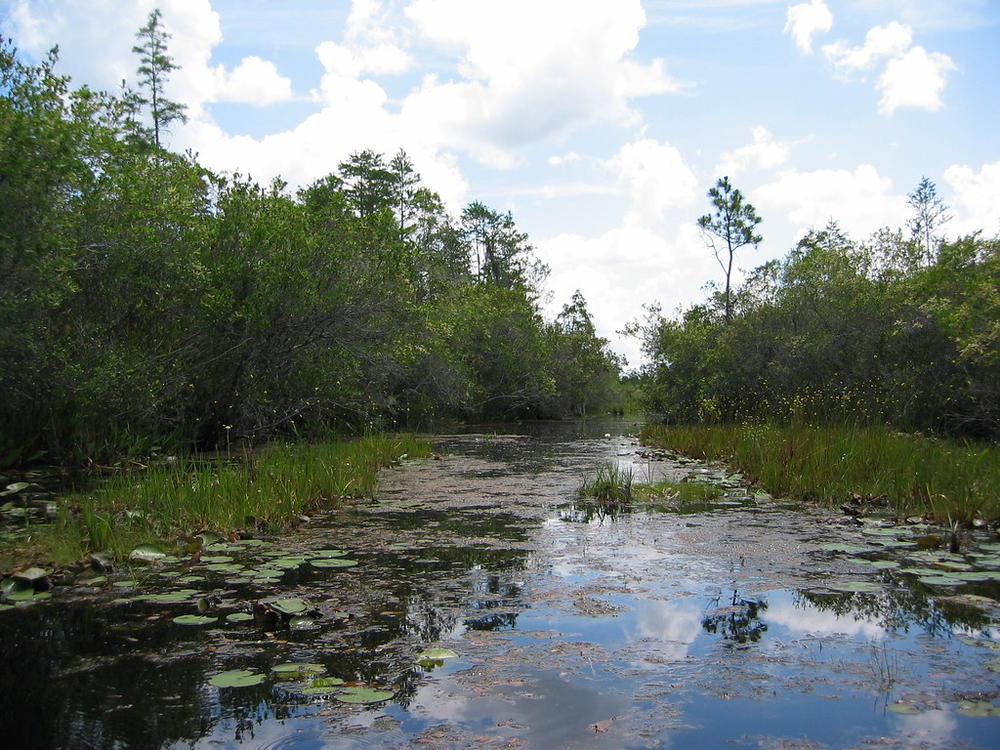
x,y
236,678
431,657
195,620
239,617
147,553
296,670
855,586
333,562
362,695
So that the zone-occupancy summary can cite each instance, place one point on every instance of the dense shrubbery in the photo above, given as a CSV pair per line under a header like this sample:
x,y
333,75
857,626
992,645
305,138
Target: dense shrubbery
x,y
897,330
145,301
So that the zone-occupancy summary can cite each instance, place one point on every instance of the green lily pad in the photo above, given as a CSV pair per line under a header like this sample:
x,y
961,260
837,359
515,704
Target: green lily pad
x,y
906,709
236,678
173,597
326,683
32,576
253,543
14,488
881,531
216,559
224,568
147,553
840,547
855,586
328,553
879,564
362,695
920,571
239,617
5,607
941,580
978,709
208,538
333,562
289,606
288,563
297,669
971,600
28,595
194,620
436,654
191,579
993,665
94,581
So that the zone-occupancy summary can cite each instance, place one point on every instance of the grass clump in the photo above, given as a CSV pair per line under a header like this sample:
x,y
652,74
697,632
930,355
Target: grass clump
x,y
678,492
611,484
268,490
945,480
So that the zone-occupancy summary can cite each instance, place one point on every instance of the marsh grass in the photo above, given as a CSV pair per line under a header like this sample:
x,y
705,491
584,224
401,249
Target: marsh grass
x,y
611,484
677,492
946,480
268,490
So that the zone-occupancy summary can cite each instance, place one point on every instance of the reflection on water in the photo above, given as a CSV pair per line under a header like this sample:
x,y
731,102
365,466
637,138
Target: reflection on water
x,y
577,625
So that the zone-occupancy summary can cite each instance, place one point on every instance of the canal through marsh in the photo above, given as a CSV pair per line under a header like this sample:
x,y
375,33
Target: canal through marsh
x,y
477,601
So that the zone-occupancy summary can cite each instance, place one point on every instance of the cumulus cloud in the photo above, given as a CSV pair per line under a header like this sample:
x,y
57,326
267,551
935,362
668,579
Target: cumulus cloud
x,y
654,177
253,80
975,198
624,268
912,77
915,79
805,20
530,70
557,160
861,200
763,153
881,41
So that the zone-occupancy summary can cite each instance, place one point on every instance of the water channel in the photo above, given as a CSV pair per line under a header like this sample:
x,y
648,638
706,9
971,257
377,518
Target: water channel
x,y
745,622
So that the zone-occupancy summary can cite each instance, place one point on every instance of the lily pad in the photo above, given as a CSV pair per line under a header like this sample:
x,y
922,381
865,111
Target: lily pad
x,y
147,553
32,576
224,568
328,553
855,586
879,564
978,709
27,595
841,547
216,559
941,580
333,562
436,654
297,669
194,620
907,709
993,665
173,597
289,606
236,678
240,617
15,487
362,695
208,538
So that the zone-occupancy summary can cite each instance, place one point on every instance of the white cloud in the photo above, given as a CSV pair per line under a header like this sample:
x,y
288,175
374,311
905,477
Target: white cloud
x,y
763,153
624,268
860,200
807,19
530,70
558,160
975,198
916,79
254,80
881,41
655,177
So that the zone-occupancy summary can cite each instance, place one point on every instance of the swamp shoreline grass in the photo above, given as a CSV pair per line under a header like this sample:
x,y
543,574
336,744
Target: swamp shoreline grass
x,y
948,481
267,491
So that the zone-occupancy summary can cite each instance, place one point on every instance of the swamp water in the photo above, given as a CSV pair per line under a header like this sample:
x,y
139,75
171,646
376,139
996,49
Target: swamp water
x,y
556,623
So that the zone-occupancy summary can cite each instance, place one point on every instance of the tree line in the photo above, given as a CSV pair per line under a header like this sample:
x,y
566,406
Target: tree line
x,y
901,328
146,301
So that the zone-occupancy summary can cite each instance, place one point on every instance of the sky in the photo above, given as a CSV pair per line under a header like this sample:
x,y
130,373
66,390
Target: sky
x,y
599,124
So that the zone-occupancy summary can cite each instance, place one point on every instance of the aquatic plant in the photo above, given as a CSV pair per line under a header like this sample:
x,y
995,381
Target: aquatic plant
x,y
611,484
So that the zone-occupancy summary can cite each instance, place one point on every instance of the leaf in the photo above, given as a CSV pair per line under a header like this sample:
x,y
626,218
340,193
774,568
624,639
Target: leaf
x,y
236,678
289,606
147,553
437,654
239,617
335,562
15,487
362,695
194,620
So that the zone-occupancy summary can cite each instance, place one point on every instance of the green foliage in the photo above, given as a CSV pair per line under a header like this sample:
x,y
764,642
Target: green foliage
x,y
842,332
612,483
947,480
149,305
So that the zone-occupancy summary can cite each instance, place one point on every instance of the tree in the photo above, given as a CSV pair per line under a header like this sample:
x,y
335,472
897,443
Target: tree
x,y
729,228
155,65
929,215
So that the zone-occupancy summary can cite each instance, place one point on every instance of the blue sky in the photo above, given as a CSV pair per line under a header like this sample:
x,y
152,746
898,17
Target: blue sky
x,y
600,124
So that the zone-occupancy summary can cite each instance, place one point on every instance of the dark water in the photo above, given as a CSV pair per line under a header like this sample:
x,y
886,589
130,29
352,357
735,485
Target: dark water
x,y
731,624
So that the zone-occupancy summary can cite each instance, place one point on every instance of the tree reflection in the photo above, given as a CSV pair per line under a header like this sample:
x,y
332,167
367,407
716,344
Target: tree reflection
x,y
737,621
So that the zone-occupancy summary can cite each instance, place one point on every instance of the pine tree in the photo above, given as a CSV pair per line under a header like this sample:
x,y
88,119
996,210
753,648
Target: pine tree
x,y
154,67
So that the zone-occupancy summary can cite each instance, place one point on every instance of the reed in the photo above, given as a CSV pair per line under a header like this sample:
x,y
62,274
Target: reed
x,y
945,480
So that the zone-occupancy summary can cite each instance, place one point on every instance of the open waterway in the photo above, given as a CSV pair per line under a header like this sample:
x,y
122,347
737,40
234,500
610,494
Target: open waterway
x,y
478,602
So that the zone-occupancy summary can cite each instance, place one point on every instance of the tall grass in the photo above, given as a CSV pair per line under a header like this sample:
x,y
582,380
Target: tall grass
x,y
611,484
947,480
169,501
